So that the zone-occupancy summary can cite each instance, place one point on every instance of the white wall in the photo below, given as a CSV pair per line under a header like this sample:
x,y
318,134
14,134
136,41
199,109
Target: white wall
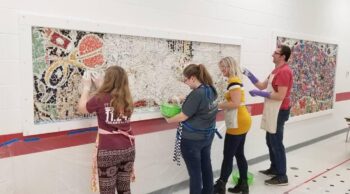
x,y
253,20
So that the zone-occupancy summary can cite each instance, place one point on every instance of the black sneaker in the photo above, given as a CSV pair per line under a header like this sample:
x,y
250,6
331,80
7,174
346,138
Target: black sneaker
x,y
241,187
268,172
280,181
220,187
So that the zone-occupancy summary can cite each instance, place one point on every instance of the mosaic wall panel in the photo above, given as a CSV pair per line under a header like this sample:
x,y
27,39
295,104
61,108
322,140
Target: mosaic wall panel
x,y
314,66
154,65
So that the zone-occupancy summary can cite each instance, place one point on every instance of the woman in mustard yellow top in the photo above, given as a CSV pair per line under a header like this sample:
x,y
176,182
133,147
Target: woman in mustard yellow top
x,y
238,122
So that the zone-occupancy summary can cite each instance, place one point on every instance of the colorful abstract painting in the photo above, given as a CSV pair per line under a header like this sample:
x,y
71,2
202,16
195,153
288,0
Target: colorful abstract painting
x,y
154,65
313,64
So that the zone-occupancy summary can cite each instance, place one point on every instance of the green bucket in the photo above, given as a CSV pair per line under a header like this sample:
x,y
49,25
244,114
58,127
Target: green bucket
x,y
235,177
169,110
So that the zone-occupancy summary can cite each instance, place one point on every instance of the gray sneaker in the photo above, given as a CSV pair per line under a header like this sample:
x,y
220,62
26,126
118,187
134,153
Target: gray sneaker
x,y
280,181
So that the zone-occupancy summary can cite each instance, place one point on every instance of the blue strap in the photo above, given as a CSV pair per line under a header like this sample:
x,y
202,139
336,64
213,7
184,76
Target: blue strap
x,y
210,130
192,129
208,91
218,134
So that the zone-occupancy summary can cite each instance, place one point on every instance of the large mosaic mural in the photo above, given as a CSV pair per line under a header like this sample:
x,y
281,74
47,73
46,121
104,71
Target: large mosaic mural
x,y
313,64
154,65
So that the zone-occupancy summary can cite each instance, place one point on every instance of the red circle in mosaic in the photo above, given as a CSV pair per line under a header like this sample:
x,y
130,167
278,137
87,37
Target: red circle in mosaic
x,y
90,50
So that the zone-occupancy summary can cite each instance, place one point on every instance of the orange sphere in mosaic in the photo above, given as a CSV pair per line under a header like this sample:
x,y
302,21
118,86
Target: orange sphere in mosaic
x,y
90,51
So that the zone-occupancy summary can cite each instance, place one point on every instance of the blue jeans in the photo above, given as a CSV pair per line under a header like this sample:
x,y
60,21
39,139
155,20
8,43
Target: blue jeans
x,y
276,148
234,147
196,154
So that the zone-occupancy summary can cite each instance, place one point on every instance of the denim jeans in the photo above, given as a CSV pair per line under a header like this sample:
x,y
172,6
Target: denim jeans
x,y
196,154
234,147
276,148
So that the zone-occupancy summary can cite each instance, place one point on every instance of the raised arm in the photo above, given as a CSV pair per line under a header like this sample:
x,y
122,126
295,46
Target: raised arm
x,y
85,94
260,85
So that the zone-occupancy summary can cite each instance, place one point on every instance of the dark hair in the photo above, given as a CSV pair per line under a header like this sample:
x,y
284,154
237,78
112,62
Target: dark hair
x,y
285,50
200,72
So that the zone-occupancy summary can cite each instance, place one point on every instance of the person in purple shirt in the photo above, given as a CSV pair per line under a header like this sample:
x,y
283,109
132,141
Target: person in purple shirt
x,y
113,106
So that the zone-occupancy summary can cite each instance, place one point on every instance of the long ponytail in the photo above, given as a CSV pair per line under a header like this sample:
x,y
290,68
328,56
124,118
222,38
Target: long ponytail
x,y
200,72
203,76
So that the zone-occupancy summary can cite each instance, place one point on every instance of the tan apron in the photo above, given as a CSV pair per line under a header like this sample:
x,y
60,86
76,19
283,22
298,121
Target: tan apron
x,y
271,110
94,179
231,117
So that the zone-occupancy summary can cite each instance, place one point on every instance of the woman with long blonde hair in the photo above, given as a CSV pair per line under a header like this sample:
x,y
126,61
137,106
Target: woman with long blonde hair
x,y
238,122
116,148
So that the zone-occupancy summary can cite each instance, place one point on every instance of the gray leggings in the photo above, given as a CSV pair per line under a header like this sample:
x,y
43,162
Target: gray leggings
x,y
114,170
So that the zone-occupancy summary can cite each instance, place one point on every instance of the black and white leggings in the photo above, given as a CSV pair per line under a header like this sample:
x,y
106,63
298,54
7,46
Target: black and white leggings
x,y
114,170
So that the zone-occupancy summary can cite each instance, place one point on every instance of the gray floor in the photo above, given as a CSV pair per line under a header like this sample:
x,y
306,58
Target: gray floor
x,y
321,165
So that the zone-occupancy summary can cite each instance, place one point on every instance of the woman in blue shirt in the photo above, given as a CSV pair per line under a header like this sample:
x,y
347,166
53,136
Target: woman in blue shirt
x,y
197,127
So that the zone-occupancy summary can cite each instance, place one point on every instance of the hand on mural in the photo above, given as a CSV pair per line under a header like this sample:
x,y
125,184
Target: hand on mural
x,y
250,75
86,81
260,93
97,78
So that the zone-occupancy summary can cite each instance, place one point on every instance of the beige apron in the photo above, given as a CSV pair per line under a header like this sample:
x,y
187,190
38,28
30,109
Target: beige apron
x,y
231,117
271,110
94,178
